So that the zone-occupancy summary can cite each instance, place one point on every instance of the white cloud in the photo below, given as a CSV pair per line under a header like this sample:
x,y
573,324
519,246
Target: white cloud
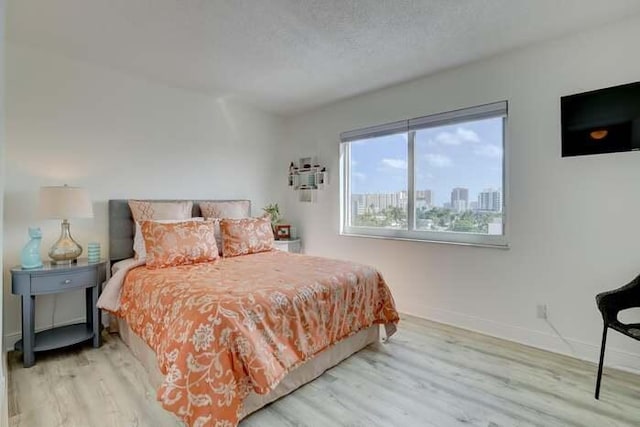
x,y
438,160
489,150
467,135
359,176
395,163
460,136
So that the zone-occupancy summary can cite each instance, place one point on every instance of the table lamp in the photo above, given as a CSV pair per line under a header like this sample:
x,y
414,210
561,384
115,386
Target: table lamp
x,y
63,203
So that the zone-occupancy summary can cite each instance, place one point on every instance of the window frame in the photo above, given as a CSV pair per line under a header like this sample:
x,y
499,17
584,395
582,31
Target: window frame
x,y
410,127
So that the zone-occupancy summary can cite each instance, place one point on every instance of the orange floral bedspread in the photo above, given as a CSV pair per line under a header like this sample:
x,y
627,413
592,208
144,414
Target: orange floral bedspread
x,y
224,328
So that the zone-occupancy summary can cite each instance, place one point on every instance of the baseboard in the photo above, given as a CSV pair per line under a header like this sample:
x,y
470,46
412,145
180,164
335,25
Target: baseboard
x,y
615,358
11,339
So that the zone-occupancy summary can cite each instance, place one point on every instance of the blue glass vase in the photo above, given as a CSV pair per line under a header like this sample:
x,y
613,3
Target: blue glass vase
x,y
30,255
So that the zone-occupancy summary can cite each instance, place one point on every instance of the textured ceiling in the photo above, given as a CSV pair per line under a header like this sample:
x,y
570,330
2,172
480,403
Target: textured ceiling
x,y
290,55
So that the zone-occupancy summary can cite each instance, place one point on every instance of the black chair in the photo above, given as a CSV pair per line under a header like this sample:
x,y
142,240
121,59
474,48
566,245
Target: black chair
x,y
610,304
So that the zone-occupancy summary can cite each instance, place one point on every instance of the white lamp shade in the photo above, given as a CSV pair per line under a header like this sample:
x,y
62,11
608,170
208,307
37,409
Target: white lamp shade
x,y
65,203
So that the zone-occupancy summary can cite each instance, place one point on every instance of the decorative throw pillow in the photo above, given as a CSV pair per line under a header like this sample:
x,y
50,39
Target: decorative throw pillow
x,y
138,240
246,236
218,210
233,209
180,243
143,210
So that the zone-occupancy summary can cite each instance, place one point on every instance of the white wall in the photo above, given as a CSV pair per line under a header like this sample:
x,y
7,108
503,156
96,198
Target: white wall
x,y
121,137
573,221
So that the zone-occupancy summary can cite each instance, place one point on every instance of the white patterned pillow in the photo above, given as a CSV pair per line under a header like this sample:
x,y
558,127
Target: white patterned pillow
x,y
236,209
144,210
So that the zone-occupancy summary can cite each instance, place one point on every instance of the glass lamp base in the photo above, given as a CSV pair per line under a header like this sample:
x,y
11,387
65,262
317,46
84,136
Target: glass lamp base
x,y
64,262
66,250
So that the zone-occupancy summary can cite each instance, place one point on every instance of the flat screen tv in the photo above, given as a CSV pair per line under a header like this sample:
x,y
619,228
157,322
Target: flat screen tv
x,y
601,121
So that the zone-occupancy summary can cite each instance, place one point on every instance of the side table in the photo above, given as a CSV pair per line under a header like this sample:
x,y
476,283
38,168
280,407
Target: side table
x,y
53,279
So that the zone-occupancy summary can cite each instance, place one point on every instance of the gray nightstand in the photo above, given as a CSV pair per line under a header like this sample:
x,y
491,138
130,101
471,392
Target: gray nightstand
x,y
52,279
292,245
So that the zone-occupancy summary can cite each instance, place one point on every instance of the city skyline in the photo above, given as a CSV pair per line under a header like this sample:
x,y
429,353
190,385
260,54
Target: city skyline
x,y
466,155
488,199
461,214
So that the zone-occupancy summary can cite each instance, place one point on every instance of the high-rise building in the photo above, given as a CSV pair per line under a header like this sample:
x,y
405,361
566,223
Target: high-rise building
x,y
403,200
375,203
424,198
460,199
490,200
357,205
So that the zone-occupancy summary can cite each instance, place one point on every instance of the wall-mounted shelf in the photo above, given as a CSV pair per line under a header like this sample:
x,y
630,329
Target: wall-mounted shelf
x,y
307,176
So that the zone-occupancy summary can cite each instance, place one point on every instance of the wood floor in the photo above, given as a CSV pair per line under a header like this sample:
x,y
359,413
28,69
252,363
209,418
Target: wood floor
x,y
427,375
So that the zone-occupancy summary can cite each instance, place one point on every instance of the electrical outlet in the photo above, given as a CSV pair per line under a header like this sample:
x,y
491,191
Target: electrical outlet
x,y
541,310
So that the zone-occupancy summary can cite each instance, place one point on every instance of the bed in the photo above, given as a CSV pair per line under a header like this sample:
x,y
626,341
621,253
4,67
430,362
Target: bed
x,y
220,340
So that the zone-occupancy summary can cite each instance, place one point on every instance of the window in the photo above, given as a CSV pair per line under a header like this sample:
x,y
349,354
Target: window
x,y
434,178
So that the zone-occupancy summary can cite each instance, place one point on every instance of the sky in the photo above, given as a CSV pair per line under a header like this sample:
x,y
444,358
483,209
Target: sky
x,y
465,155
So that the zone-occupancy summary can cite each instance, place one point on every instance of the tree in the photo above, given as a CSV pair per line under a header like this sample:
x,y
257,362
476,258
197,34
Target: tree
x,y
395,216
464,225
367,219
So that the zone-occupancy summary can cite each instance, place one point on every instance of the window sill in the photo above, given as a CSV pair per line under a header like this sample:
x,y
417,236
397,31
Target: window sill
x,y
504,246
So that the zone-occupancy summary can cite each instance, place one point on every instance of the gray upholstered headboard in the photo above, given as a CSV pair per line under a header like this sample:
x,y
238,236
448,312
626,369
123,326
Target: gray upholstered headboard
x,y
122,228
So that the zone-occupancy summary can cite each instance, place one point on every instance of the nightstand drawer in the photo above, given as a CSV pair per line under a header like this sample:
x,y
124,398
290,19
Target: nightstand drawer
x,y
61,282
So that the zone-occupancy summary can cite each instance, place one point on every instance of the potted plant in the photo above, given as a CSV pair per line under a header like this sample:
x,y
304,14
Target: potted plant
x,y
273,210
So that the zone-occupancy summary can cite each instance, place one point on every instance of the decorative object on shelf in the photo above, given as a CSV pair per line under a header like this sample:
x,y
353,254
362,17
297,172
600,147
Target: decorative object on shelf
x,y
306,162
283,232
30,255
93,252
273,210
306,176
321,177
291,170
63,203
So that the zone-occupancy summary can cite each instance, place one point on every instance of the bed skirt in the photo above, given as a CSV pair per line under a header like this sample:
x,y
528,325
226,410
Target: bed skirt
x,y
303,374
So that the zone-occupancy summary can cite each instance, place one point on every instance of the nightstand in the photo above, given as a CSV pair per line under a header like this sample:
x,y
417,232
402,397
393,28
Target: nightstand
x,y
293,245
53,279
